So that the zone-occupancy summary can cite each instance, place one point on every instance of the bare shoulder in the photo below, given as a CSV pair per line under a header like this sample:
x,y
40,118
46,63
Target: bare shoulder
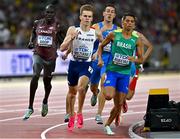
x,y
95,26
36,22
140,34
142,37
71,28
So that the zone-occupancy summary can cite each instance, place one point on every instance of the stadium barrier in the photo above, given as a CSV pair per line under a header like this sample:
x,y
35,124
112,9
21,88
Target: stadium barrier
x,y
18,62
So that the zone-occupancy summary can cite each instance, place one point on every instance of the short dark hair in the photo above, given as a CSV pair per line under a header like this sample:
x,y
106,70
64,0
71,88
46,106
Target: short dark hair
x,y
50,6
86,7
129,14
110,5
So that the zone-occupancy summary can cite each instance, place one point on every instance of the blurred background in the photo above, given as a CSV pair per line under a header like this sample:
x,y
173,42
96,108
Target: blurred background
x,y
158,20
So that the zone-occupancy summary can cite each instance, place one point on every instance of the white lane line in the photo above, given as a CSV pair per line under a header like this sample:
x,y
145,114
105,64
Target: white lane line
x,y
60,108
51,109
131,103
17,118
43,134
136,98
62,112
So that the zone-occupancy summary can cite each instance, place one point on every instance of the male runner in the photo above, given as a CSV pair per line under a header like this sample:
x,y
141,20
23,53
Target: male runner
x,y
81,40
45,38
124,44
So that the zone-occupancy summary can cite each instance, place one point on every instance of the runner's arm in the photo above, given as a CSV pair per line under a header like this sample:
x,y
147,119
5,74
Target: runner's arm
x,y
149,46
108,39
33,36
70,36
139,45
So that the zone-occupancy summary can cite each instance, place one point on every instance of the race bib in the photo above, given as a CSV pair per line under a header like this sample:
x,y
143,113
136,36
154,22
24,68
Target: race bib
x,y
120,59
45,41
107,48
82,53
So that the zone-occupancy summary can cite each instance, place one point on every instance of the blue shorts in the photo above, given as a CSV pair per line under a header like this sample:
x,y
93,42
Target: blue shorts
x,y
78,69
95,77
97,71
117,80
133,69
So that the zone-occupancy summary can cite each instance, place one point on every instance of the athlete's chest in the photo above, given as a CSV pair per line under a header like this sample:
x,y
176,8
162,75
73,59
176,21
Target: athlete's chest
x,y
46,29
85,37
46,34
124,43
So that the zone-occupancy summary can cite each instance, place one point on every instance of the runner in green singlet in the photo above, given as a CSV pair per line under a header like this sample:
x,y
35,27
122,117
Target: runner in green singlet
x,y
124,43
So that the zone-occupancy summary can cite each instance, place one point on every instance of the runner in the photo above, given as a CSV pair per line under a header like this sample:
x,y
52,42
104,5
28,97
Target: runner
x,y
124,44
44,58
81,40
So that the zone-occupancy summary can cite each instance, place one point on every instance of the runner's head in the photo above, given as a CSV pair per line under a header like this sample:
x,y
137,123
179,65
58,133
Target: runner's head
x,y
86,14
129,21
49,12
109,12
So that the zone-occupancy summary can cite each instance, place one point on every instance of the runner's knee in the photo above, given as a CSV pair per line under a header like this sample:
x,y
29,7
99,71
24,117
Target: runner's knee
x,y
108,97
128,98
72,92
129,95
35,78
81,89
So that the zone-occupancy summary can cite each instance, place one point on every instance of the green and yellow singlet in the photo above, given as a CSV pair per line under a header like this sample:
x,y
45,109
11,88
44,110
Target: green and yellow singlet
x,y
121,49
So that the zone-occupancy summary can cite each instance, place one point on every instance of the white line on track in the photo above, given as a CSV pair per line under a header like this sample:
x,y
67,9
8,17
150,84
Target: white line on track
x,y
62,111
43,134
135,100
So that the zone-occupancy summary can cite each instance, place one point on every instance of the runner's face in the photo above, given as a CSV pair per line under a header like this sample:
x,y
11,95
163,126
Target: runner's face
x,y
49,14
86,18
109,14
128,23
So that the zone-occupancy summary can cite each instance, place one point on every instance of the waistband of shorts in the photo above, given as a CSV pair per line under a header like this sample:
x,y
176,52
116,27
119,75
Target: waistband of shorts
x,y
80,60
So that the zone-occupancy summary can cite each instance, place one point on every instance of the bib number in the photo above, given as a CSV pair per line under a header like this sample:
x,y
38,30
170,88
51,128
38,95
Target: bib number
x,y
82,53
45,41
120,59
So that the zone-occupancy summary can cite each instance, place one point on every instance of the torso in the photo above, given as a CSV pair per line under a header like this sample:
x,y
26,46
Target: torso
x,y
46,41
82,47
121,49
107,48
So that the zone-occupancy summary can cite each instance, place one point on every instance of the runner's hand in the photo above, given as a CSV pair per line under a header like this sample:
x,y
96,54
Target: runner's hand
x,y
74,34
30,45
94,56
64,57
100,62
141,69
